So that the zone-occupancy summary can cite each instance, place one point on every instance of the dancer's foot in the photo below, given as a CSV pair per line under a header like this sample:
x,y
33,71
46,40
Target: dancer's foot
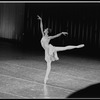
x,y
80,46
45,80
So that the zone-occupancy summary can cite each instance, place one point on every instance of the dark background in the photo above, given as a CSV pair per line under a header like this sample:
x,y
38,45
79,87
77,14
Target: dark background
x,y
19,25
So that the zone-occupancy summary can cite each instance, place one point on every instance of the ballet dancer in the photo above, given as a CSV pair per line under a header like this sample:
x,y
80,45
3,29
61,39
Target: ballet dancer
x,y
50,50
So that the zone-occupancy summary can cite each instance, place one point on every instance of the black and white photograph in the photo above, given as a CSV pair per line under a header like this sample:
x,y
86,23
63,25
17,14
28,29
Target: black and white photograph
x,y
49,49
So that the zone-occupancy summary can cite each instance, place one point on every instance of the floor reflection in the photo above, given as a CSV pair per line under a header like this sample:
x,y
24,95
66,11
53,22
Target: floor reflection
x,y
46,93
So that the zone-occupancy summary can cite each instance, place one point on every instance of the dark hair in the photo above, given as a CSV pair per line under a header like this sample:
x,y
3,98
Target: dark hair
x,y
49,30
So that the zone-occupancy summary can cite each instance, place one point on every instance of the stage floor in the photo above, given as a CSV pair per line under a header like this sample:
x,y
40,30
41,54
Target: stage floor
x,y
22,75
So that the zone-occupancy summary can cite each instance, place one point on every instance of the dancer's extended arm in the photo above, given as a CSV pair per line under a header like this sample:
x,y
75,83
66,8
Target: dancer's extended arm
x,y
55,36
41,25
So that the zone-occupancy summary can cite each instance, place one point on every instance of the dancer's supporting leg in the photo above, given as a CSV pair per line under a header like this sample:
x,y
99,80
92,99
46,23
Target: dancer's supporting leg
x,y
47,71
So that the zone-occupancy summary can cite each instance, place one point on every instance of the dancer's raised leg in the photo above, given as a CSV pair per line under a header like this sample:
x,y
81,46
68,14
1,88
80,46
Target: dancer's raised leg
x,y
68,47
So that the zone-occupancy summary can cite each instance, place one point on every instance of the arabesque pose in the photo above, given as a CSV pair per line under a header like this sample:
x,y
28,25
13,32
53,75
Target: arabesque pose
x,y
50,50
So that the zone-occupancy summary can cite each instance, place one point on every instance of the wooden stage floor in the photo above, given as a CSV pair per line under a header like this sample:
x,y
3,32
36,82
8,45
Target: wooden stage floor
x,y
22,75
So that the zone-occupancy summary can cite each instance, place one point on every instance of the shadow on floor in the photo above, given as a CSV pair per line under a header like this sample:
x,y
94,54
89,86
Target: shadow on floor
x,y
92,91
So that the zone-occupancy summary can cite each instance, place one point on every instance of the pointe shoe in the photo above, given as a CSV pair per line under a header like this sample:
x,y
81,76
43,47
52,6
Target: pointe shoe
x,y
80,46
45,80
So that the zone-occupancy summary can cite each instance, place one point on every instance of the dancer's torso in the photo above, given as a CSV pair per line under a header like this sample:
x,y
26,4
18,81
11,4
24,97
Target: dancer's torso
x,y
45,42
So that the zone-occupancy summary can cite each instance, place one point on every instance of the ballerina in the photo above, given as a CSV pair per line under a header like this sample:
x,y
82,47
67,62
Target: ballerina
x,y
50,50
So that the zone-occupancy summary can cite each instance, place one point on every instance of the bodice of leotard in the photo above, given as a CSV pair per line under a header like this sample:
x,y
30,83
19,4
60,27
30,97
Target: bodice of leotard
x,y
48,49
45,42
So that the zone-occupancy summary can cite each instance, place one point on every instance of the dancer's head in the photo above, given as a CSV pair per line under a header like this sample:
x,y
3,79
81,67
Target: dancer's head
x,y
47,30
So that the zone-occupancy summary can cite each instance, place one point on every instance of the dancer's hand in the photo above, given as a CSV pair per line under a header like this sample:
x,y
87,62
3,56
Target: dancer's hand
x,y
39,17
64,33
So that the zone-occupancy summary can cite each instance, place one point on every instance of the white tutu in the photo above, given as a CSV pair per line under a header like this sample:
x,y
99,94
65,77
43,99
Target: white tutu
x,y
50,56
51,49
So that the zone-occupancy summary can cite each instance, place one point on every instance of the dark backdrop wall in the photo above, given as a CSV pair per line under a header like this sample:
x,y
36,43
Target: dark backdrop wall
x,y
82,21
11,20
